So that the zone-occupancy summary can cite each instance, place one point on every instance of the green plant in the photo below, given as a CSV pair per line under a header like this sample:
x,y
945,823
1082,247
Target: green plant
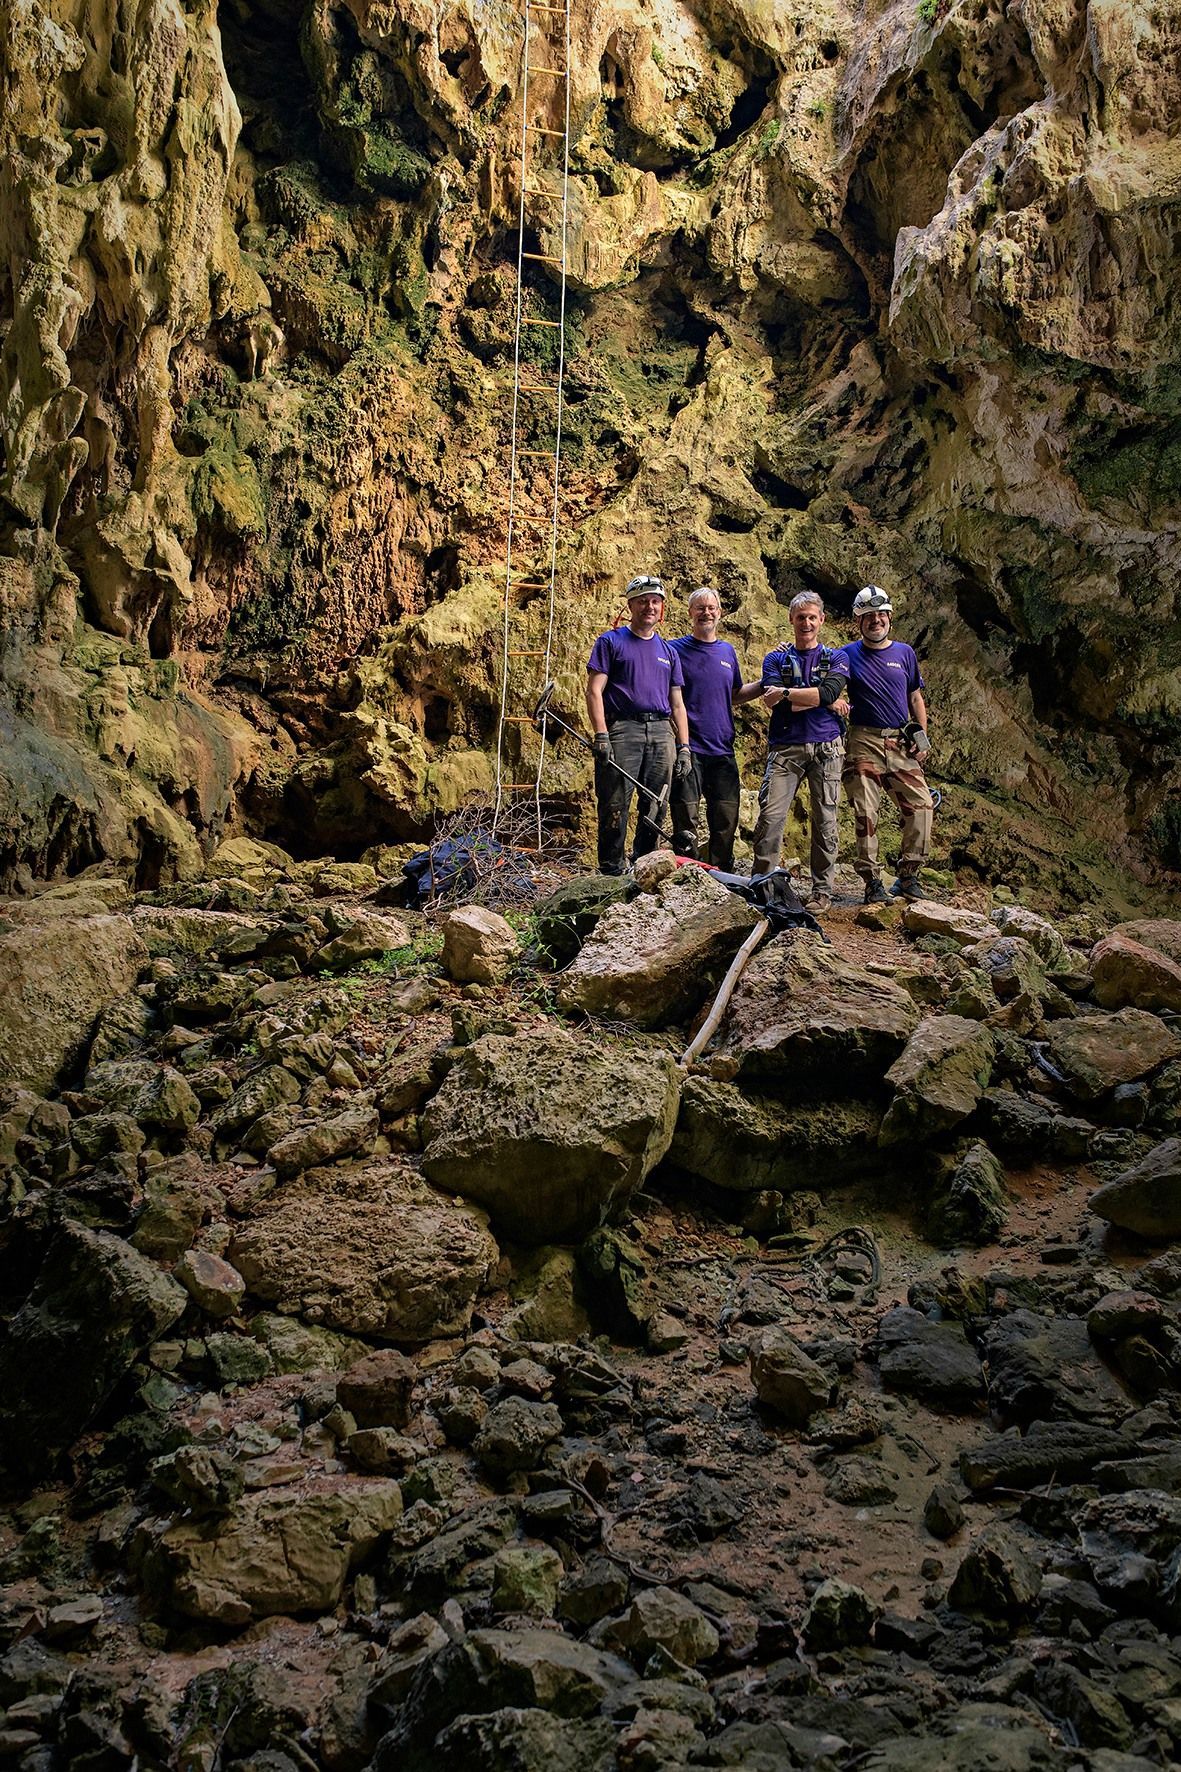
x,y
931,11
767,139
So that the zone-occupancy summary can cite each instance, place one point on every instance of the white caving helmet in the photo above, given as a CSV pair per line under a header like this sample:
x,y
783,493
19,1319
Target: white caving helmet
x,y
644,585
871,600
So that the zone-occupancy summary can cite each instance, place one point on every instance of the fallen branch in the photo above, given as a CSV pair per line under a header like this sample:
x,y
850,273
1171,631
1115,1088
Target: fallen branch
x,y
708,1028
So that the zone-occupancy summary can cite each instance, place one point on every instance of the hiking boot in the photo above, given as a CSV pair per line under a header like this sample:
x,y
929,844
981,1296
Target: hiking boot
x,y
907,886
875,893
820,901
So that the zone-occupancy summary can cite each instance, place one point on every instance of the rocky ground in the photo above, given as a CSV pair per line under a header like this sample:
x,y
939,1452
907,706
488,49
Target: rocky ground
x,y
404,1358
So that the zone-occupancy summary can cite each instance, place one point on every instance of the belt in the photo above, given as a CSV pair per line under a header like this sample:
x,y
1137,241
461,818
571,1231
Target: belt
x,y
878,731
647,717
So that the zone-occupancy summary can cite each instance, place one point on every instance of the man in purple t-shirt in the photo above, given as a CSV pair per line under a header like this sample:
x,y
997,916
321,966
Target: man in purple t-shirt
x,y
804,685
637,714
713,685
887,741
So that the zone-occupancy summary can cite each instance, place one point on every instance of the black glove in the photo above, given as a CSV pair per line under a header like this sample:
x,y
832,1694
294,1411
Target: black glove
x,y
684,763
914,740
601,745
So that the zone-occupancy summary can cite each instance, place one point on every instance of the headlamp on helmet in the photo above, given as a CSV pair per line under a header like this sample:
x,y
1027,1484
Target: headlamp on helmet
x,y
644,586
871,600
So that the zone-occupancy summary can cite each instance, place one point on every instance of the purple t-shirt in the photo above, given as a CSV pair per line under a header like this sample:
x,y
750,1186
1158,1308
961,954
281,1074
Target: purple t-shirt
x,y
638,672
811,725
713,678
881,682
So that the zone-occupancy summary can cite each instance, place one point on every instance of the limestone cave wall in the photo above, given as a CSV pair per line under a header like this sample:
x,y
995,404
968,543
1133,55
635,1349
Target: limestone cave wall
x,y
856,293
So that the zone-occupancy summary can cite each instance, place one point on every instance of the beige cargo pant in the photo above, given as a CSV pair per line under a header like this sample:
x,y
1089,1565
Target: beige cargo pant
x,y
875,760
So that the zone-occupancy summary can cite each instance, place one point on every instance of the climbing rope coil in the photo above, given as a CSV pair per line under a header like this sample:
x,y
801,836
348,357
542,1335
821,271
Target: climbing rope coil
x,y
546,36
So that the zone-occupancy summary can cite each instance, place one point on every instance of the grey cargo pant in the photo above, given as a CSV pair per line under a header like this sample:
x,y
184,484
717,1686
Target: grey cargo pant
x,y
787,766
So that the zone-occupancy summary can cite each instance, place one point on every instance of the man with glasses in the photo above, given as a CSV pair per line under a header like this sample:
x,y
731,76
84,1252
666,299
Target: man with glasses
x,y
636,710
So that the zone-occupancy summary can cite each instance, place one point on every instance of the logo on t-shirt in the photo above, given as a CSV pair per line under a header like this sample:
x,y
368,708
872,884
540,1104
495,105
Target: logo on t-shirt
x,y
892,664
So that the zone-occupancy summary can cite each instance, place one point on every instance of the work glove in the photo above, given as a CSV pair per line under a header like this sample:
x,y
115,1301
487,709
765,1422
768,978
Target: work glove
x,y
601,745
914,739
684,763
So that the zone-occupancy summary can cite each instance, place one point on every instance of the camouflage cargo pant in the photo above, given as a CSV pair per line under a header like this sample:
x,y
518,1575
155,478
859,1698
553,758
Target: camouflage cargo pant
x,y
875,760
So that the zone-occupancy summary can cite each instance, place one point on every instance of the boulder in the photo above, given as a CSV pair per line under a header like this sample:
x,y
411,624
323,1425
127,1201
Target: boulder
x,y
376,1389
375,1252
1146,1198
1060,1451
926,917
273,1553
173,929
1095,1053
938,1078
216,1287
479,945
1046,941
1011,966
1126,972
565,919
931,1360
787,1380
1047,1369
972,1206
55,979
1027,1131
1161,933
527,1671
155,1095
514,1435
661,1618
95,1305
354,1130
525,1580
746,1144
366,937
655,959
839,1616
549,1132
997,1576
803,1019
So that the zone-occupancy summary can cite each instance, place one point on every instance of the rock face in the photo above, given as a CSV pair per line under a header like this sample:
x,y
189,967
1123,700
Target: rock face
x,y
744,1144
291,512
653,960
802,1017
55,979
548,1132
95,1304
374,1253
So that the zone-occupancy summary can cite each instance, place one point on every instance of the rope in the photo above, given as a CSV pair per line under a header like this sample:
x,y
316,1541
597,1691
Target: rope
x,y
506,718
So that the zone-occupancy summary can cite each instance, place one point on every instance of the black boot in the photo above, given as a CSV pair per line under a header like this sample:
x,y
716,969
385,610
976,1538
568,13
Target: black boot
x,y
875,892
907,886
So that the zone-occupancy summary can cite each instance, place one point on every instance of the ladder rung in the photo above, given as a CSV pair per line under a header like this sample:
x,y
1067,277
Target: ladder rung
x,y
538,129
560,10
519,720
538,387
539,454
528,321
521,787
537,191
535,68
543,258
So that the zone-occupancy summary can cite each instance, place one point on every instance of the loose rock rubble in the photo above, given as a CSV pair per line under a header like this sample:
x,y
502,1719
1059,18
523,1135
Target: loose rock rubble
x,y
395,1373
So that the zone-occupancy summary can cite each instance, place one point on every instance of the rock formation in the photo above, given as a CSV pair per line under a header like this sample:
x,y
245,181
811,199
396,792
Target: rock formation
x,y
854,295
